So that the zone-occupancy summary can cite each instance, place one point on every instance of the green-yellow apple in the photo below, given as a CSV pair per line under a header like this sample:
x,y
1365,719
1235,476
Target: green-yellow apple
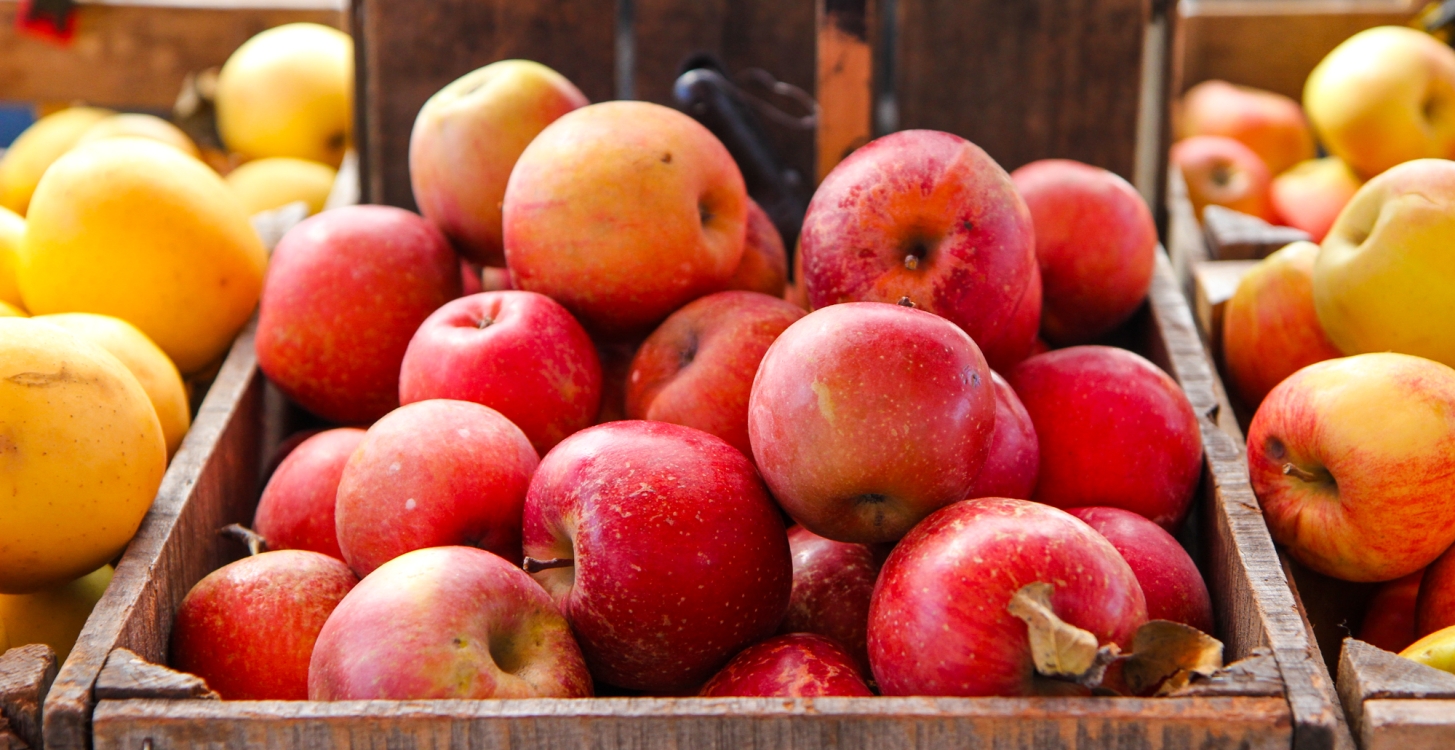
x,y
623,212
1270,329
1270,124
1223,172
468,137
1353,461
1383,97
1385,279
1311,194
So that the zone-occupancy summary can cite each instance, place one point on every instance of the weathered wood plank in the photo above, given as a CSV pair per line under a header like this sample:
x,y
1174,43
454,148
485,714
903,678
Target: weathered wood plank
x,y
133,56
704,724
1408,725
408,51
1026,80
1233,235
127,675
26,674
1214,283
212,481
845,79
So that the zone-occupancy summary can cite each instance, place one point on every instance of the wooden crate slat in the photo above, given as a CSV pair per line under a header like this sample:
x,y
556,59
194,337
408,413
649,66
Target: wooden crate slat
x,y
704,724
26,674
211,481
413,49
1065,85
129,56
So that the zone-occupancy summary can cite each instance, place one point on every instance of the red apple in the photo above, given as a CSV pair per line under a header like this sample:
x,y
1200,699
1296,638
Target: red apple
x,y
471,278
661,547
928,216
1095,243
1311,194
623,212
1436,607
296,509
433,474
867,417
519,353
832,584
345,291
1113,430
1015,455
442,623
799,665
286,448
1271,125
697,368
495,279
616,364
1170,581
1351,462
249,627
938,624
1389,621
1270,327
764,267
1223,172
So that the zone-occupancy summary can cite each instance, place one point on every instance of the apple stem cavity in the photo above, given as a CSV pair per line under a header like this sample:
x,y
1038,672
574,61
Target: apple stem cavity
x,y
532,565
1300,473
254,541
484,322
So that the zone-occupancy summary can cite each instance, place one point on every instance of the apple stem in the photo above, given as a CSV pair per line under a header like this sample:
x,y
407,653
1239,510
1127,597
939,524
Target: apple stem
x,y
1298,473
911,262
255,542
532,565
906,302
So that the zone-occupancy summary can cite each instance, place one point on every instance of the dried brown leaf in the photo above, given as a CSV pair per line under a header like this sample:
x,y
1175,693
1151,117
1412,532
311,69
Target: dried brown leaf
x,y
1058,648
1166,654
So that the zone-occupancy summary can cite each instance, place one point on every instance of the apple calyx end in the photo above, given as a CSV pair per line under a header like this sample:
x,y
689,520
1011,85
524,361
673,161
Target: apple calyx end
x,y
532,565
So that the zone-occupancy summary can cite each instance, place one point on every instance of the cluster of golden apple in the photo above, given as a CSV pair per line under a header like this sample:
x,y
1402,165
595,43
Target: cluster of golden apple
x,y
139,265
1346,347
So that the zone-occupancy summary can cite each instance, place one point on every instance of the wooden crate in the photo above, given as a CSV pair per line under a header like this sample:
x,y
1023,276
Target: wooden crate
x,y
26,673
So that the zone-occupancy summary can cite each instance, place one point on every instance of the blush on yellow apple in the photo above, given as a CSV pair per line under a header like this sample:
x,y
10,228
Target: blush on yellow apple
x,y
42,143
1351,460
1311,194
1384,96
54,616
1385,279
1270,124
8,310
137,230
466,141
83,452
157,375
12,228
266,184
289,92
1270,329
140,126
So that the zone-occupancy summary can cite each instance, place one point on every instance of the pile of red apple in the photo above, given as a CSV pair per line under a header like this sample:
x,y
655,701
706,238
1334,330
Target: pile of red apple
x,y
836,502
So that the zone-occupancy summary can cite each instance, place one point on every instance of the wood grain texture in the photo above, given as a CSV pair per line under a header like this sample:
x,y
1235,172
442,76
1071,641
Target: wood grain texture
x,y
26,674
1186,245
1256,675
126,675
703,724
1233,235
1395,702
1026,80
131,56
1408,725
1214,283
410,50
211,482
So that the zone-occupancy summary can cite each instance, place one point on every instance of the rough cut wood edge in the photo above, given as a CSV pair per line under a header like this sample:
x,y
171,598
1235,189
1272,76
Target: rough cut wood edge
x,y
26,674
1256,675
127,675
1370,676
1234,235
210,480
1393,724
703,723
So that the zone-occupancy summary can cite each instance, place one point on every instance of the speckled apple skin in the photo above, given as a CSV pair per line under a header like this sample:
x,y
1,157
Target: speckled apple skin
x,y
1015,456
681,558
798,665
832,584
941,197
938,624
867,417
249,627
1114,430
433,474
296,510
697,368
1170,581
447,623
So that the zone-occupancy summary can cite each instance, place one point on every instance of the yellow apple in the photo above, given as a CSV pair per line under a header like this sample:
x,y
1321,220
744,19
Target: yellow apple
x,y
83,455
1270,124
137,230
289,92
467,139
266,184
1434,650
12,228
42,143
141,126
1384,96
157,375
1385,278
8,310
54,616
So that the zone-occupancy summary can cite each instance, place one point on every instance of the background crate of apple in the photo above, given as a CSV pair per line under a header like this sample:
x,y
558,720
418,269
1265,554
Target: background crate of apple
x,y
1390,702
1024,81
